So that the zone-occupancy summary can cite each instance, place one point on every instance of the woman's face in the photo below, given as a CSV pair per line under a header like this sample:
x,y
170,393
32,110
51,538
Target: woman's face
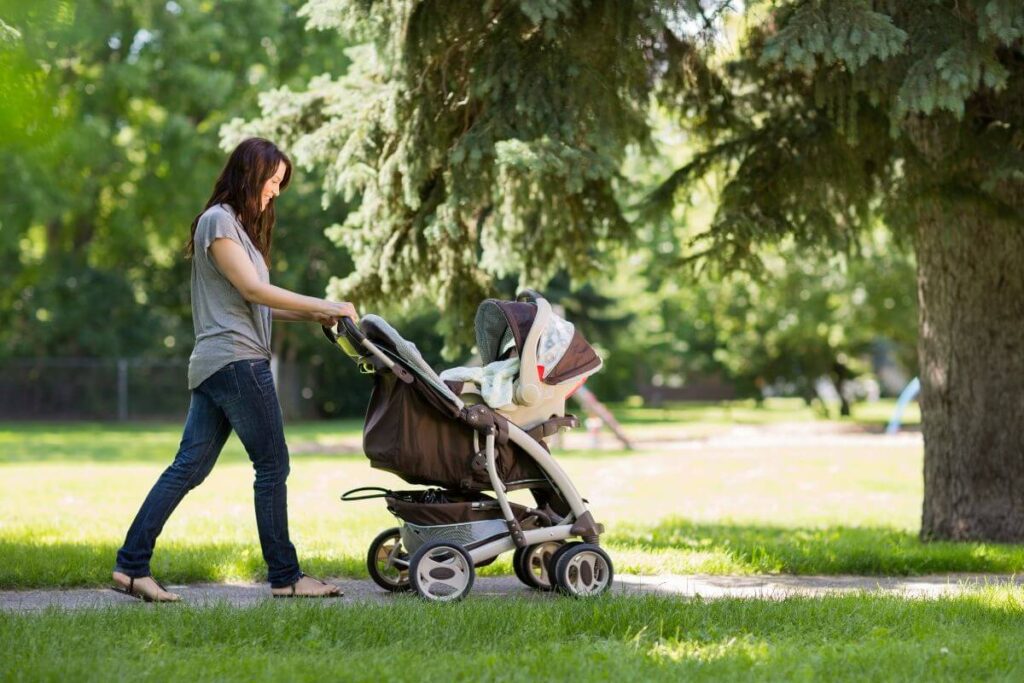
x,y
272,187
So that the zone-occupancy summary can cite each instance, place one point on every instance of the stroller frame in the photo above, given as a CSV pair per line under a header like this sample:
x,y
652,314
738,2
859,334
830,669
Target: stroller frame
x,y
560,564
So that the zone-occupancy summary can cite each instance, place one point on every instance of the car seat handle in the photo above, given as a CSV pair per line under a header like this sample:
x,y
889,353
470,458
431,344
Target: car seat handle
x,y
528,295
528,388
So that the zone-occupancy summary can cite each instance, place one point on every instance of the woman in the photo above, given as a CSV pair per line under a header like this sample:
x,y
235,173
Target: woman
x,y
229,375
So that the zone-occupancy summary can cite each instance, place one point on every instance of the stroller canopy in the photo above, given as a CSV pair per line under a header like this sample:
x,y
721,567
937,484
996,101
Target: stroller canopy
x,y
562,351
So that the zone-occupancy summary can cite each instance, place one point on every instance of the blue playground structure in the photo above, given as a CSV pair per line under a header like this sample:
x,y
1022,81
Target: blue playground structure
x,y
908,394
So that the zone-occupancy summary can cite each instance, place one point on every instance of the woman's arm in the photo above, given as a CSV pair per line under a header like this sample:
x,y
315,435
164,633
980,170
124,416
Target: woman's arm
x,y
233,262
284,315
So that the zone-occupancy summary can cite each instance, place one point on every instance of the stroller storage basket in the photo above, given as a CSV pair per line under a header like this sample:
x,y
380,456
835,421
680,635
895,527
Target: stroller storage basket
x,y
469,519
431,507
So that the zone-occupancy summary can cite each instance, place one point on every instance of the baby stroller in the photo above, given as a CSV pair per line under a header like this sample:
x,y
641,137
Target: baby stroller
x,y
442,434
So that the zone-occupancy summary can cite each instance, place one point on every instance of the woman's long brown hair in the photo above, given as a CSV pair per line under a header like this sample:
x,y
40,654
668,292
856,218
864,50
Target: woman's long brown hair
x,y
240,185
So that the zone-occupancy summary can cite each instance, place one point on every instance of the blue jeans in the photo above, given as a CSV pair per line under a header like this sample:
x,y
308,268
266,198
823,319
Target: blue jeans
x,y
239,396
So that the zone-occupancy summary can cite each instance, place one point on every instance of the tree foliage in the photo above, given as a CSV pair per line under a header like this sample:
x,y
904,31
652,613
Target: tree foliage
x,y
482,139
489,141
779,328
109,140
842,110
482,146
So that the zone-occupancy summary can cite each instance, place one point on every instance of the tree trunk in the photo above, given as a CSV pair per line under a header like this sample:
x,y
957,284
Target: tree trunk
x,y
971,347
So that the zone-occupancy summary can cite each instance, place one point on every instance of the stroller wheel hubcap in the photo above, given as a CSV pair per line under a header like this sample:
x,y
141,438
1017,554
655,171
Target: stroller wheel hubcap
x,y
584,570
386,556
388,561
586,574
442,572
537,560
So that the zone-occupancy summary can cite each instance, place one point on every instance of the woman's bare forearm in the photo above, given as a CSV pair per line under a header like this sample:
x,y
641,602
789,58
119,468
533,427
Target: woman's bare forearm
x,y
284,315
283,299
234,263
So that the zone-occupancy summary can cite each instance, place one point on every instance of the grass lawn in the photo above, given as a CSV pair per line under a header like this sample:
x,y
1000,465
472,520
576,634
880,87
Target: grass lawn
x,y
974,637
771,411
140,442
68,492
694,504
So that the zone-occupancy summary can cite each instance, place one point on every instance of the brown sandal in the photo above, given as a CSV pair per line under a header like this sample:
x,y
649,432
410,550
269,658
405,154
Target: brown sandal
x,y
293,594
139,595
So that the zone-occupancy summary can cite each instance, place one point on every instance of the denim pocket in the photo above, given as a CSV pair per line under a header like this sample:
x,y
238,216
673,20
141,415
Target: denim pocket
x,y
222,386
261,373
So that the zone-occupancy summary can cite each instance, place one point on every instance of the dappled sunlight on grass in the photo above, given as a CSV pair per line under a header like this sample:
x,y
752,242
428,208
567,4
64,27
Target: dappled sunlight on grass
x,y
143,442
762,549
31,563
745,648
634,558
737,412
748,412
786,485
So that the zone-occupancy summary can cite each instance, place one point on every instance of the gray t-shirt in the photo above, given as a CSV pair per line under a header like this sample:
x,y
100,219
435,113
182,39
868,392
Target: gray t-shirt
x,y
228,328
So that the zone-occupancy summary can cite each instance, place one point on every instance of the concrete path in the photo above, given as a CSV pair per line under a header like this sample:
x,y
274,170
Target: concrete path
x,y
362,590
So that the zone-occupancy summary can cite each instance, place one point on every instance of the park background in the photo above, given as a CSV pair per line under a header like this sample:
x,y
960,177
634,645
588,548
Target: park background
x,y
126,109
727,199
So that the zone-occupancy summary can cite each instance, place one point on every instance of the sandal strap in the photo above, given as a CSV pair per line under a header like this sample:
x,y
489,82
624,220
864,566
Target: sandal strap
x,y
320,581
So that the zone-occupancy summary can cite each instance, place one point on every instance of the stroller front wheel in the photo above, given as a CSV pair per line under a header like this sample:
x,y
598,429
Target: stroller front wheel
x,y
582,570
387,561
531,564
442,571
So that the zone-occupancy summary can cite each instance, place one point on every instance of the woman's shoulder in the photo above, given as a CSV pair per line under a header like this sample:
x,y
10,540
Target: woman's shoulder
x,y
216,222
219,211
217,215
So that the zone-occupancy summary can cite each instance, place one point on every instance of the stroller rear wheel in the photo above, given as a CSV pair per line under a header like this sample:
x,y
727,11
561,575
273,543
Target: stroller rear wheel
x,y
583,570
554,559
531,564
442,571
387,561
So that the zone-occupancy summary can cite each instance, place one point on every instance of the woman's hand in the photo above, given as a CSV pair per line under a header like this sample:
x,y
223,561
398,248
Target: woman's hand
x,y
331,311
324,319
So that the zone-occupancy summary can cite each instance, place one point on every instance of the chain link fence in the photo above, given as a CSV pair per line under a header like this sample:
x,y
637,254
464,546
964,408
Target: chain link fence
x,y
121,389
92,389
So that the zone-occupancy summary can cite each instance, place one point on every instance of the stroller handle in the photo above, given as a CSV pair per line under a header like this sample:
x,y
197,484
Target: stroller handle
x,y
354,339
351,329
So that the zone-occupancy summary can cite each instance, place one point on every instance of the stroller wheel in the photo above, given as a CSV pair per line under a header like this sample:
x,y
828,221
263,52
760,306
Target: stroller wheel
x,y
385,550
583,570
554,559
442,571
531,564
